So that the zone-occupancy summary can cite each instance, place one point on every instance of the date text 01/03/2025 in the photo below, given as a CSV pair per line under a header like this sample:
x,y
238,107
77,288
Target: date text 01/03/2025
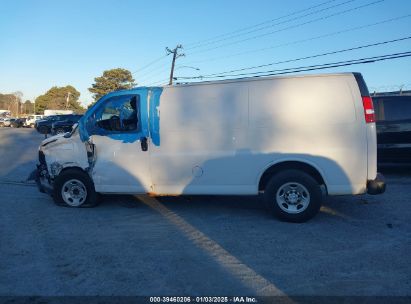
x,y
205,299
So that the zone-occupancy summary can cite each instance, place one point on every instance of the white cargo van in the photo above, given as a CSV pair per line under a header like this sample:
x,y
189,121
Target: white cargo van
x,y
292,139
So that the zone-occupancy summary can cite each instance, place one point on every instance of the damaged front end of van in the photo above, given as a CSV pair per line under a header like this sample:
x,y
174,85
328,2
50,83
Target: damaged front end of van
x,y
60,152
117,126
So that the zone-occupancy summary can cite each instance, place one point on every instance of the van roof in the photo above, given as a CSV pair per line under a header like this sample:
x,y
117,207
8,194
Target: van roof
x,y
257,78
244,79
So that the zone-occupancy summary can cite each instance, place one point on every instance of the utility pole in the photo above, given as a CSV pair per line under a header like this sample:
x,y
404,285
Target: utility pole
x,y
18,96
175,56
68,100
17,108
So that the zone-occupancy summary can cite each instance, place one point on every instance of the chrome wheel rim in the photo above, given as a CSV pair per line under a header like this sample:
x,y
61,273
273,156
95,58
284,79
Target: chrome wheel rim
x,y
60,131
293,198
74,192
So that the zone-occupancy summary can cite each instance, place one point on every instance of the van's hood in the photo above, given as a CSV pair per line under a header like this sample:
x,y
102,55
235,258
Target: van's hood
x,y
56,139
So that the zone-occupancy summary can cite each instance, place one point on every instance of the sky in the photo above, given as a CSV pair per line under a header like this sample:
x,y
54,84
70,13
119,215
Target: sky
x,y
45,43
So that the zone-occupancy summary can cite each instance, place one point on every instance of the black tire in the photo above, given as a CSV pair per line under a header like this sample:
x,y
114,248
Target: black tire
x,y
293,180
43,130
91,198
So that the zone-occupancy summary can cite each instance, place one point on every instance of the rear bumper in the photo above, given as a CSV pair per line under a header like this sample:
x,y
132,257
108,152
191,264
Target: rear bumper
x,y
376,186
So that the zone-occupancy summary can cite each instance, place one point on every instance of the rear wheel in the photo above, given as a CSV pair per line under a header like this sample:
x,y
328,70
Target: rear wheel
x,y
293,196
74,188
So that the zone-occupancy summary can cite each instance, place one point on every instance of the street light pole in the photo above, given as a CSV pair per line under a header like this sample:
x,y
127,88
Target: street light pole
x,y
185,67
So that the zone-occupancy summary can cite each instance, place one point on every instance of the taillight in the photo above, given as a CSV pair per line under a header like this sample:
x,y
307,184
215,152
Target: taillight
x,y
368,109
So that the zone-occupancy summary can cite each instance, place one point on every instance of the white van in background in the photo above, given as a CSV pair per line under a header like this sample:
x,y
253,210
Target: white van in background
x,y
57,112
292,139
31,120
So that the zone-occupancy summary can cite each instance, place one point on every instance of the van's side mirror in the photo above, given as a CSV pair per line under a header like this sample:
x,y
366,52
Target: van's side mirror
x,y
144,145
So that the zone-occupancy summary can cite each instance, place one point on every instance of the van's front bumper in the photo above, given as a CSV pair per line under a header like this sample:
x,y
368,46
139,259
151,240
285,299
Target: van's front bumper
x,y
376,186
42,179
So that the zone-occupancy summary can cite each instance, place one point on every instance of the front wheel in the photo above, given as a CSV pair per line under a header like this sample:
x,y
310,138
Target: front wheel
x,y
293,196
74,188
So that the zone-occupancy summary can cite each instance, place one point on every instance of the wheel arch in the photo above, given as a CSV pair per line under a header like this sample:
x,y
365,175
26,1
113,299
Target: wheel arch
x,y
57,168
77,168
72,167
302,165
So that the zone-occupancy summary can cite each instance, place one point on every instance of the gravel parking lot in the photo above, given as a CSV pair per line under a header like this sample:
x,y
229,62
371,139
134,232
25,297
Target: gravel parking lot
x,y
196,245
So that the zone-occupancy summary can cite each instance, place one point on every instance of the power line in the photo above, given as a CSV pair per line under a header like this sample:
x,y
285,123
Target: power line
x,y
347,63
150,64
262,23
271,25
304,40
151,73
164,81
163,70
290,27
246,28
309,57
294,26
318,66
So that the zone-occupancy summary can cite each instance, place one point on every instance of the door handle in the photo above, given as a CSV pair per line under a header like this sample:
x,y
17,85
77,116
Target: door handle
x,y
144,145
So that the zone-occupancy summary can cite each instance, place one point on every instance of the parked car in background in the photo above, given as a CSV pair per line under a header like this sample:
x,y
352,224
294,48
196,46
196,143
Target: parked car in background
x,y
6,122
64,126
31,120
5,113
17,123
393,115
44,126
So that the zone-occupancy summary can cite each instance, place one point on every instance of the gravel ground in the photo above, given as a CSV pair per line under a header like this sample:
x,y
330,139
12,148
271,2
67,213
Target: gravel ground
x,y
356,246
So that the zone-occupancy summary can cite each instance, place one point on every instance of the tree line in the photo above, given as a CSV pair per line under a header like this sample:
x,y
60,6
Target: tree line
x,y
67,98
13,102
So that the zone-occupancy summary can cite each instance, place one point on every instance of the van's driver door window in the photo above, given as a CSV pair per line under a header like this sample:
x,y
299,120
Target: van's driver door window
x,y
119,114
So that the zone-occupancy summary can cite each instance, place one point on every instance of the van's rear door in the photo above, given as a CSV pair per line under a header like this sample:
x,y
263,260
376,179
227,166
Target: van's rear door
x,y
369,118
